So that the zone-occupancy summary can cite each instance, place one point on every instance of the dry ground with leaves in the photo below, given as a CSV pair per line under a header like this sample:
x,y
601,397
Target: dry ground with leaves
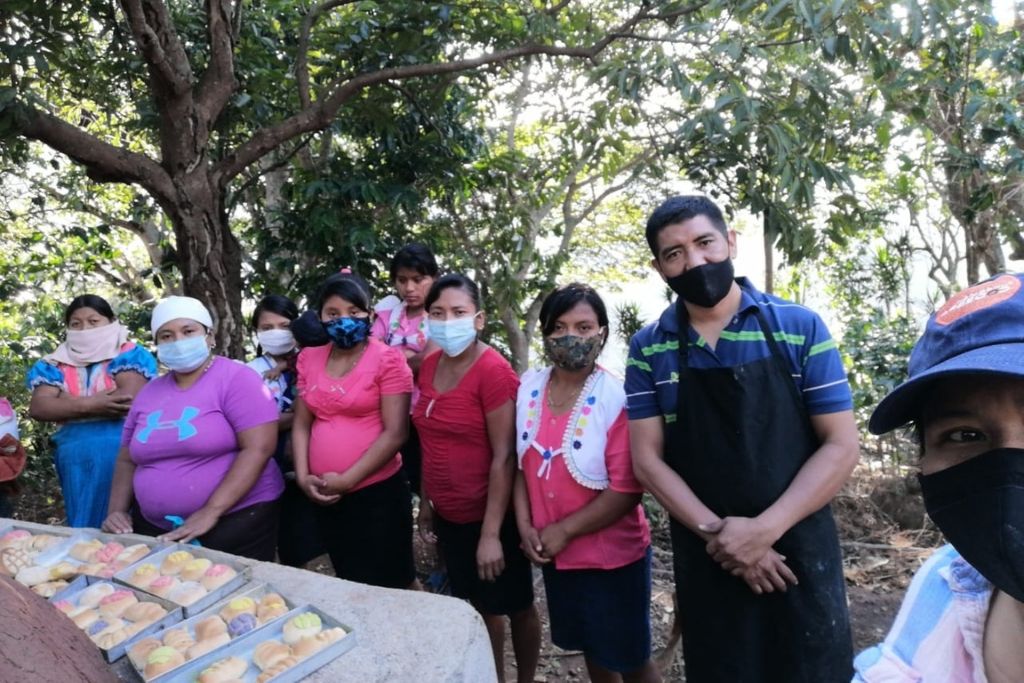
x,y
883,529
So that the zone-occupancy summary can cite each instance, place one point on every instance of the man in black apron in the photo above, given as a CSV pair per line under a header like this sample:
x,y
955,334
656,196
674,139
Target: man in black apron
x,y
744,433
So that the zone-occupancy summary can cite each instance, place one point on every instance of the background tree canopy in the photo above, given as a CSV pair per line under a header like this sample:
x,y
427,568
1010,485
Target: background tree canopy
x,y
229,149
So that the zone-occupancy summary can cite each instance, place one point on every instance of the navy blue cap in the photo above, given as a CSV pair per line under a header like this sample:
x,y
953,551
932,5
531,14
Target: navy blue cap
x,y
979,330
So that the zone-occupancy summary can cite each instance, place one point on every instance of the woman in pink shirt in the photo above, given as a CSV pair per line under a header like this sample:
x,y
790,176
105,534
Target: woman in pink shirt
x,y
576,499
350,420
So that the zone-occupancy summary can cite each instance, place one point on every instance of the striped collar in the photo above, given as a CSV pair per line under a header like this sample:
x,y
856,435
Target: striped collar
x,y
749,295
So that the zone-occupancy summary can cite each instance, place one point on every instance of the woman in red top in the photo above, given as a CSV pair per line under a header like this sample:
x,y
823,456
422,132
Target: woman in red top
x,y
350,420
465,417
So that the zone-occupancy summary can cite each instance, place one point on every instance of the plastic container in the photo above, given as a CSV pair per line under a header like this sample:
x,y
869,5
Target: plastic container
x,y
244,647
74,591
210,597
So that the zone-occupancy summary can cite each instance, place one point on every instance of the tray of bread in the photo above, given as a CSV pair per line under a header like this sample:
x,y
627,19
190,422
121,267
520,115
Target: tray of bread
x,y
112,615
185,575
254,607
286,650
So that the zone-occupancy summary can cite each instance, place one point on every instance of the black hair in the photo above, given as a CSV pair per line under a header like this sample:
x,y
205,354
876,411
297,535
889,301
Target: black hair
x,y
454,281
563,299
275,303
414,256
349,287
96,303
678,209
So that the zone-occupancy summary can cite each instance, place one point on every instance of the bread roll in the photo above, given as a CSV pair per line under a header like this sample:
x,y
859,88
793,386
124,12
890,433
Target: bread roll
x,y
242,624
109,639
85,618
13,559
267,653
132,554
207,645
161,586
179,639
279,667
223,670
144,575
92,595
209,627
312,644
162,660
217,575
17,538
108,553
144,611
187,593
83,551
32,575
238,606
139,652
50,588
41,542
194,569
175,561
271,606
305,624
117,602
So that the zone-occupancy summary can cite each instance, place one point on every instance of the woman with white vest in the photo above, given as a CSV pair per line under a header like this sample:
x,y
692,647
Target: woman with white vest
x,y
576,499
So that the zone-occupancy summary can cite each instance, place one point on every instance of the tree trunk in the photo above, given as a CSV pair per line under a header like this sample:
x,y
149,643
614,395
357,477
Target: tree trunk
x,y
38,643
518,341
769,254
209,257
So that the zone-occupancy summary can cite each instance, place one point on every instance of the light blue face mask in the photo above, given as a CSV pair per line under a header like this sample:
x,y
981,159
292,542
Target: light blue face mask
x,y
453,336
184,355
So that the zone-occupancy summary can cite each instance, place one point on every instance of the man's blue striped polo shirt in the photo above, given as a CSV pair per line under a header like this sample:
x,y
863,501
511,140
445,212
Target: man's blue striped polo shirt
x,y
652,368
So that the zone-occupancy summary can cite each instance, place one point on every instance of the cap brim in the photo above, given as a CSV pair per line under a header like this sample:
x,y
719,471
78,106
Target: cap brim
x,y
903,404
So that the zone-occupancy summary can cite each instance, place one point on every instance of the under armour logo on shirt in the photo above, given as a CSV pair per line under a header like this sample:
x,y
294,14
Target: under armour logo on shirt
x,y
183,424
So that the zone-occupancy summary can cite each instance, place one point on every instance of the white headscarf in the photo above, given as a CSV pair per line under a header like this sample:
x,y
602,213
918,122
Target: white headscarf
x,y
174,307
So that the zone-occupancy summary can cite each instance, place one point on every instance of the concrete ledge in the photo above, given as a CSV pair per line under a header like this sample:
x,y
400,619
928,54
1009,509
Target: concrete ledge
x,y
402,635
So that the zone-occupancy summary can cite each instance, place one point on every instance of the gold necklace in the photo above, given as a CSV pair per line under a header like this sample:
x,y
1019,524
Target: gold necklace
x,y
353,361
573,395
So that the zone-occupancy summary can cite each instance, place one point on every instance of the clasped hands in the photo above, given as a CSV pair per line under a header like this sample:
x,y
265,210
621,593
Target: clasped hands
x,y
743,547
542,545
324,489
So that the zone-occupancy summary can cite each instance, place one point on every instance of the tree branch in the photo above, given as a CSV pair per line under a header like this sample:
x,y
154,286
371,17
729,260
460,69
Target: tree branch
x,y
103,162
302,53
320,114
158,42
218,82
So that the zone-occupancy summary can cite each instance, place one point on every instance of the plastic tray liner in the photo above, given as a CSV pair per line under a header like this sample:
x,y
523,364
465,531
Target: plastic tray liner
x,y
241,575
55,553
74,591
254,590
244,647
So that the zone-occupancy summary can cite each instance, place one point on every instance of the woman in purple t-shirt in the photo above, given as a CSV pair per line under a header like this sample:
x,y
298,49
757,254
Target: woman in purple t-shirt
x,y
197,444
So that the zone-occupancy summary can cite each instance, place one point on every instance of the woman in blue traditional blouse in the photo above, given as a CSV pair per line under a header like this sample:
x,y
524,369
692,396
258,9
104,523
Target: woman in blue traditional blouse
x,y
87,386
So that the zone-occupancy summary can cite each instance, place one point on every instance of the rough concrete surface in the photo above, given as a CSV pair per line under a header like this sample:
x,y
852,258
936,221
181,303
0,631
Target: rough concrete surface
x,y
400,635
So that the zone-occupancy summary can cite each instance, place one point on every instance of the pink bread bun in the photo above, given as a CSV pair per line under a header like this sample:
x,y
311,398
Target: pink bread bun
x,y
217,575
92,595
162,585
207,645
108,552
187,593
14,539
116,603
65,606
144,575
194,570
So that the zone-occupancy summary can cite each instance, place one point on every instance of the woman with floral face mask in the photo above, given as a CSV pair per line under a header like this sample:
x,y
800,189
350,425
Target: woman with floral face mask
x,y
577,502
466,417
87,386
351,418
197,445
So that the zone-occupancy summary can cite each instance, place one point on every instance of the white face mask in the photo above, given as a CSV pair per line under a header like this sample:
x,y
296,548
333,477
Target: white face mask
x,y
453,336
276,342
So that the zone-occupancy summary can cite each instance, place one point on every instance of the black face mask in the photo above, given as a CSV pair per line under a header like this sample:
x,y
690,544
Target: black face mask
x,y
704,285
979,506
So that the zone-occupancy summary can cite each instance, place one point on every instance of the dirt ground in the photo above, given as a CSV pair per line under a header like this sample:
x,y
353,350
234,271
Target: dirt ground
x,y
883,530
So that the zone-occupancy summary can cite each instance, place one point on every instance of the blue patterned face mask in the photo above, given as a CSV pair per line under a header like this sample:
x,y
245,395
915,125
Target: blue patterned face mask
x,y
347,332
184,355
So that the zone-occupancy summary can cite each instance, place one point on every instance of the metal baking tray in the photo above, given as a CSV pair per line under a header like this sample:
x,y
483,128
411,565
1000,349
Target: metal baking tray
x,y
243,648
173,616
157,558
254,590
